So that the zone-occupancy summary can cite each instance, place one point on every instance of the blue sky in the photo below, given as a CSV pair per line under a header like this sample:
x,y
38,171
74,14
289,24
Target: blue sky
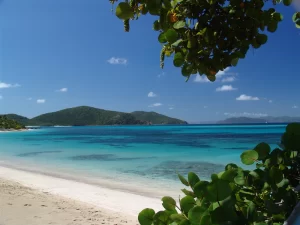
x,y
56,54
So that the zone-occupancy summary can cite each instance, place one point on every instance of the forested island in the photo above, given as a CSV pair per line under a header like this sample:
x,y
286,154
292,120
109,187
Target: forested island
x,y
90,116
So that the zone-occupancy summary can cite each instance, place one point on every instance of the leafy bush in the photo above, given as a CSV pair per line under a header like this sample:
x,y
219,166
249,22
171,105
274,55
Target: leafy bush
x,y
265,195
206,36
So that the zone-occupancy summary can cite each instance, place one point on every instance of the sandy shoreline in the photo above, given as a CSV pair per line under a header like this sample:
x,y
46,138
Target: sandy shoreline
x,y
29,198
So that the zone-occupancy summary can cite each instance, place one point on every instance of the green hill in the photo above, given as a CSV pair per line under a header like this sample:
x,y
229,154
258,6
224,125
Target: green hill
x,y
18,118
84,115
156,118
6,123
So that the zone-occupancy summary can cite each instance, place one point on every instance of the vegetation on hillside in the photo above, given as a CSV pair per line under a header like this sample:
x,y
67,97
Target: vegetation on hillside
x,y
84,115
18,118
265,195
156,118
206,36
6,123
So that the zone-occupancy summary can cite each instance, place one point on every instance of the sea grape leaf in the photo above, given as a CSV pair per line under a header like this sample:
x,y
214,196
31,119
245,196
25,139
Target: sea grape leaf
x,y
193,179
146,216
168,203
249,157
263,150
187,203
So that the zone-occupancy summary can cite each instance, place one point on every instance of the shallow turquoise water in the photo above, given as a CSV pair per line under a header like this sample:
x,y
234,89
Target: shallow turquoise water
x,y
131,153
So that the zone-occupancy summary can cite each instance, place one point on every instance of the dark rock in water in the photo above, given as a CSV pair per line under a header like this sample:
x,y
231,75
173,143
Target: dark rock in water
x,y
106,157
36,153
169,169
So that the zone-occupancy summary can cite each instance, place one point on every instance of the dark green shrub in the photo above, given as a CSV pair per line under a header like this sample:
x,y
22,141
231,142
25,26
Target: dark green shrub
x,y
236,196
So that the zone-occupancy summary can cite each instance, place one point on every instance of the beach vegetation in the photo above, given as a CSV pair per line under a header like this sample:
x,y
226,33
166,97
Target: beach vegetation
x,y
6,123
206,36
263,192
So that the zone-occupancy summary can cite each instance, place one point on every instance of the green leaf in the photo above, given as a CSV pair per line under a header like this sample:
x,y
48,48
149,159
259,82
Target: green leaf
x,y
222,215
177,217
287,2
296,16
186,70
234,61
293,154
272,26
168,203
187,192
179,24
240,177
162,38
228,175
249,157
211,78
124,11
183,180
178,59
171,35
276,174
187,203
278,16
160,217
200,188
217,190
206,220
146,216
263,150
156,25
251,212
231,166
195,214
193,179
176,43
262,39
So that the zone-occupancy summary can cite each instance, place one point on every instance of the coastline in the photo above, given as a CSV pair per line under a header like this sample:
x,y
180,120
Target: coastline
x,y
23,205
117,201
12,130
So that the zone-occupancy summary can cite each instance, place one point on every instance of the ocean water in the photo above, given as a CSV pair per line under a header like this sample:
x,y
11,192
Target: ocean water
x,y
134,156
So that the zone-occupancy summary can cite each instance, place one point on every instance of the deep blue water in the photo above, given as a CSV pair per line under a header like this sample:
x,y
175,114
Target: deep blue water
x,y
135,153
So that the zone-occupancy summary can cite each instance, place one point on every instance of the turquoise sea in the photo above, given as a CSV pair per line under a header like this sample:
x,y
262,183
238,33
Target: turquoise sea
x,y
144,156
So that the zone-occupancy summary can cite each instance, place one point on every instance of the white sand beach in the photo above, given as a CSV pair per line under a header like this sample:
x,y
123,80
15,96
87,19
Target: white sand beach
x,y
35,199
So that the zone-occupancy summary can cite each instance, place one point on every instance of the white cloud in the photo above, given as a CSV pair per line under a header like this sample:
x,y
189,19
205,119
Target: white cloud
x,y
228,79
270,101
155,105
41,101
245,114
151,94
161,74
205,107
62,90
221,73
226,88
295,107
5,85
247,98
29,99
201,79
1,97
171,108
117,61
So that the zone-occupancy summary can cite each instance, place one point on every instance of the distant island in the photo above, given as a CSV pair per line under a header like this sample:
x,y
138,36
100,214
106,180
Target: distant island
x,y
89,116
7,124
267,119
